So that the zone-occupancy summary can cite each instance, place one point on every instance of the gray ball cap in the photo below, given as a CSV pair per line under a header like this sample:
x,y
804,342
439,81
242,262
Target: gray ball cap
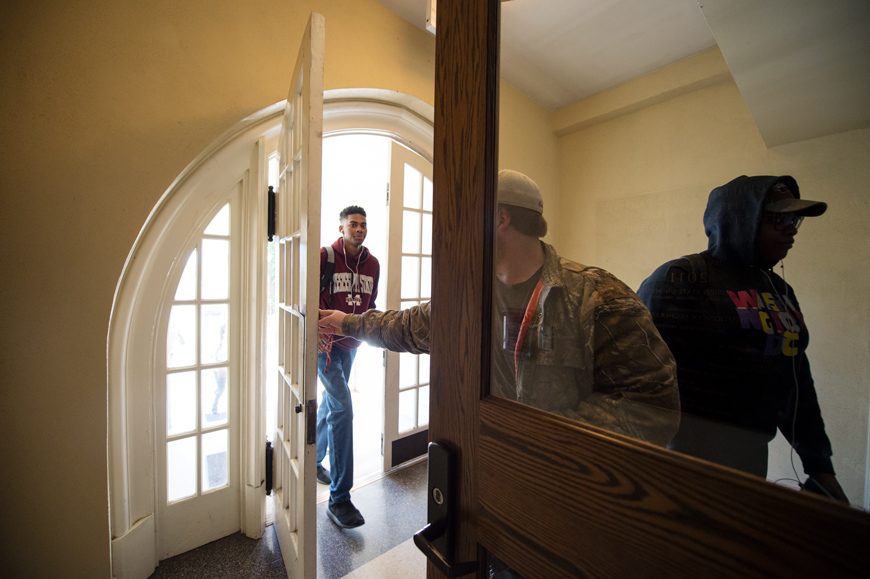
x,y
781,199
516,189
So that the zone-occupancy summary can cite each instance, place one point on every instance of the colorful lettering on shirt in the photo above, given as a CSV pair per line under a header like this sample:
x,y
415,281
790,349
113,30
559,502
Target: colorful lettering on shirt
x,y
766,312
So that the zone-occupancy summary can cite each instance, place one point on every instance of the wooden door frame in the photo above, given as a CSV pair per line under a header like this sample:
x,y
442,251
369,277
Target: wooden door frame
x,y
636,506
465,171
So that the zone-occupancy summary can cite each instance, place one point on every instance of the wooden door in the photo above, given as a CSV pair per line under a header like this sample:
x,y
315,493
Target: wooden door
x,y
554,498
298,229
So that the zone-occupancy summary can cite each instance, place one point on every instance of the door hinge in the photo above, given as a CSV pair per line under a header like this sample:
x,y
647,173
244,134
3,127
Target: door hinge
x,y
388,193
269,456
271,215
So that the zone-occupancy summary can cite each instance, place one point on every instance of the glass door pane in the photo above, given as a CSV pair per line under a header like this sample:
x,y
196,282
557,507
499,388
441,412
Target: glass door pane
x,y
406,405
198,385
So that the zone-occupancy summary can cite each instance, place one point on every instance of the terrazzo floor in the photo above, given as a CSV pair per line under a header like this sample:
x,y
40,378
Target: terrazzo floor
x,y
394,508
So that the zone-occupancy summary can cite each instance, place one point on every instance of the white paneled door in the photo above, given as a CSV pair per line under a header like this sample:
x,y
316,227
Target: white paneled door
x,y
409,255
298,229
197,418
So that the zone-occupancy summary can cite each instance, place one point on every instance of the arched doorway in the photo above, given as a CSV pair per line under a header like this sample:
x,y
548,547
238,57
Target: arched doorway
x,y
234,166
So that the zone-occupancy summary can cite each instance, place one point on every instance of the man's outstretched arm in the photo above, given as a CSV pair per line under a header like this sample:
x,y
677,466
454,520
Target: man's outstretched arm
x,y
395,330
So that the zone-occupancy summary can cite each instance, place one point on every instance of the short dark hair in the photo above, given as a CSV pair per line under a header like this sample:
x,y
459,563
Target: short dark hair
x,y
351,210
526,221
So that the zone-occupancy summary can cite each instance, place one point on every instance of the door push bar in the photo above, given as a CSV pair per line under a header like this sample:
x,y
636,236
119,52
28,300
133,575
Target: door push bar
x,y
436,539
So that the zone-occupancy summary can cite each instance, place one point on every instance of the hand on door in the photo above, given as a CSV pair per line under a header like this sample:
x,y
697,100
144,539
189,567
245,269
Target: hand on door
x,y
330,322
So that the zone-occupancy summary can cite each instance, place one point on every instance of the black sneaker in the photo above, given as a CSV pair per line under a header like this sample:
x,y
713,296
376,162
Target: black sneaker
x,y
323,476
345,515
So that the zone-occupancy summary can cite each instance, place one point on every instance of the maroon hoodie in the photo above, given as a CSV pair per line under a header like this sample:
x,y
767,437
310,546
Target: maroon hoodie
x,y
354,286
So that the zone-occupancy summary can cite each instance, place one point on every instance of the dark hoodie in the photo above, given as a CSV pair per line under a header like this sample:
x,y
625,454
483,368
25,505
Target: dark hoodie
x,y
737,333
354,286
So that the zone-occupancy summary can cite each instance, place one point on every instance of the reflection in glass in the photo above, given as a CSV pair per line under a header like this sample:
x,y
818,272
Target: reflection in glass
x,y
215,318
215,269
570,339
214,396
215,459
181,469
187,284
180,402
181,337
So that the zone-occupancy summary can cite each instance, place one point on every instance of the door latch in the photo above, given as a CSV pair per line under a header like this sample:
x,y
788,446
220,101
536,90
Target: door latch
x,y
436,540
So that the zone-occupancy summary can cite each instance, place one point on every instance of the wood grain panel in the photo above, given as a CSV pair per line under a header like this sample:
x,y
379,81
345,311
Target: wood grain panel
x,y
466,99
558,499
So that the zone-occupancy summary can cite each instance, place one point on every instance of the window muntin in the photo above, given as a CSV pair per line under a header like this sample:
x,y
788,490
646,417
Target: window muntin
x,y
198,383
416,288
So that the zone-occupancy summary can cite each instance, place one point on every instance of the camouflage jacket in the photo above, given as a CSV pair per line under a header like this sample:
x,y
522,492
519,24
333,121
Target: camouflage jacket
x,y
591,354
395,330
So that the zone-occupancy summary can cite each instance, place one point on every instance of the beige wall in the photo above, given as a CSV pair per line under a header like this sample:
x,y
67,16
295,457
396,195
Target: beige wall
x,y
527,144
632,194
104,104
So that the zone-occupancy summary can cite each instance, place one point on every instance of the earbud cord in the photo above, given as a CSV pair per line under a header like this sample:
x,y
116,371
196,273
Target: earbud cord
x,y
332,338
794,376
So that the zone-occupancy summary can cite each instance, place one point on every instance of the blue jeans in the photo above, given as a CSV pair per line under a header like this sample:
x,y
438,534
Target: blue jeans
x,y
335,422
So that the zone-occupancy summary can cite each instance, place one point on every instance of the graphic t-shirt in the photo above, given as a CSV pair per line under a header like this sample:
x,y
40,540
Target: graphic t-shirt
x,y
508,308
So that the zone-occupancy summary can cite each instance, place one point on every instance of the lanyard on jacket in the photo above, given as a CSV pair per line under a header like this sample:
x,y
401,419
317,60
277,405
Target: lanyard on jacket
x,y
524,327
